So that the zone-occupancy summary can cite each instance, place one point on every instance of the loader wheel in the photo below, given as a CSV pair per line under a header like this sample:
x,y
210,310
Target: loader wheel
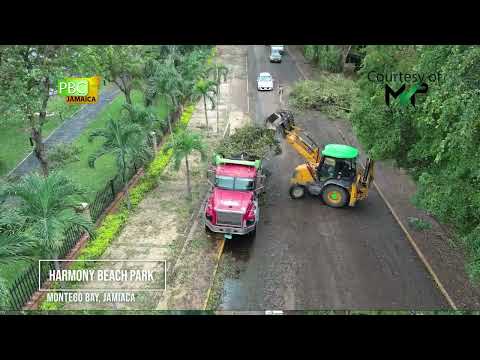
x,y
335,196
297,191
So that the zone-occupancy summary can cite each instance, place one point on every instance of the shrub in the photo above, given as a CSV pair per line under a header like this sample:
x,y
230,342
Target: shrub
x,y
63,154
418,224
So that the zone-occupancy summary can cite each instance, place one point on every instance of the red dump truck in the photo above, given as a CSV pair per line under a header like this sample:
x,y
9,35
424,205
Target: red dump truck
x,y
232,205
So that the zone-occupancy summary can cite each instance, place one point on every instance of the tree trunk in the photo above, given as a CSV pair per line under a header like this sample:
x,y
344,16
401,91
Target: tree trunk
x,y
39,149
218,115
189,188
125,184
148,102
36,128
169,117
128,97
205,107
346,50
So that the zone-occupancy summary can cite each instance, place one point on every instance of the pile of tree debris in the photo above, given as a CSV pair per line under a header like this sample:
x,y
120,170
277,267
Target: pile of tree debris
x,y
333,95
253,142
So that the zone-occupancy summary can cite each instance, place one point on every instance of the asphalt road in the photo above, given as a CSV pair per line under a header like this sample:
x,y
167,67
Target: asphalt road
x,y
309,256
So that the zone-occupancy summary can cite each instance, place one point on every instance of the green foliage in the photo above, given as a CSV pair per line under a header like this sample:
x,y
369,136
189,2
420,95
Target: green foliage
x,y
110,228
146,117
47,204
182,144
159,163
62,154
332,94
326,57
125,140
120,64
187,115
253,141
439,140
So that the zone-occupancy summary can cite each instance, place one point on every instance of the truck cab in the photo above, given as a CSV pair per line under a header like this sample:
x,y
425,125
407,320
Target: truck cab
x,y
232,206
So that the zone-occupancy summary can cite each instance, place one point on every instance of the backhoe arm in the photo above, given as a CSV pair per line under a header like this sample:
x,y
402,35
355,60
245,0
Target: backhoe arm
x,y
303,145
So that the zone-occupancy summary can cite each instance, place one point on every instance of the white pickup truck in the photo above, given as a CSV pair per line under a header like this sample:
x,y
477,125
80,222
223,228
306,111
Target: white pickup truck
x,y
279,48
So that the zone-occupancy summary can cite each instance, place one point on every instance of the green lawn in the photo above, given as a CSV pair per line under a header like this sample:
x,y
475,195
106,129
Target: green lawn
x,y
95,179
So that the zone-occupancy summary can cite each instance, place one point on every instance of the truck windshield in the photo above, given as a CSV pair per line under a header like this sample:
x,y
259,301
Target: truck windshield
x,y
232,183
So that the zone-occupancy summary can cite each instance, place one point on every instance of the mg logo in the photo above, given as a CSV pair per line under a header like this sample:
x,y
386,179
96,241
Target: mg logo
x,y
405,95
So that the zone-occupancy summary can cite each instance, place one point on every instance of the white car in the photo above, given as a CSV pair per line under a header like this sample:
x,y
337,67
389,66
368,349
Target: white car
x,y
265,81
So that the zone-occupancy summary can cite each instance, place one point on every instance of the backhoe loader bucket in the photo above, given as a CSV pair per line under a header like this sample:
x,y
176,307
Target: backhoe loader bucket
x,y
282,119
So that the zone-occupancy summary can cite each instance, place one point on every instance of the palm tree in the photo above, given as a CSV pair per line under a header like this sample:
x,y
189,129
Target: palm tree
x,y
206,89
145,117
48,206
123,139
218,70
148,121
149,88
183,144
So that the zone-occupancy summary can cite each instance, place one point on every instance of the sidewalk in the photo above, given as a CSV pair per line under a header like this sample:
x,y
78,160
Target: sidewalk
x,y
447,262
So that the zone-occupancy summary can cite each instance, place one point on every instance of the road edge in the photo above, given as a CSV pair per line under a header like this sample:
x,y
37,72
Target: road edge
x,y
410,239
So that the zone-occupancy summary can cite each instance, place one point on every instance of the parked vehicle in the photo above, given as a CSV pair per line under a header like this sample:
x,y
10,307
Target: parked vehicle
x,y
265,81
232,206
280,48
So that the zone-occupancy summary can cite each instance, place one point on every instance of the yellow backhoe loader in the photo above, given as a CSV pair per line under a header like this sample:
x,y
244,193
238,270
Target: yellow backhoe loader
x,y
331,173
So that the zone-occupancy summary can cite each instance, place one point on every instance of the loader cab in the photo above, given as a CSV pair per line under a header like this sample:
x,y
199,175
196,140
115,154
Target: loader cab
x,y
338,162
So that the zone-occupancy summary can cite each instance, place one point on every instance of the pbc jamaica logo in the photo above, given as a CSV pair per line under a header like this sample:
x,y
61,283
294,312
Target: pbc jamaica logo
x,y
405,96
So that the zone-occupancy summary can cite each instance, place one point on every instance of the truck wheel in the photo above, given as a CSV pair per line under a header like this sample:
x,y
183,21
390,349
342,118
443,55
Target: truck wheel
x,y
252,234
207,230
297,191
335,196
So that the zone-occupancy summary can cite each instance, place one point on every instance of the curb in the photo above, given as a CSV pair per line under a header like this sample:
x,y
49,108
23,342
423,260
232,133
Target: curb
x,y
217,264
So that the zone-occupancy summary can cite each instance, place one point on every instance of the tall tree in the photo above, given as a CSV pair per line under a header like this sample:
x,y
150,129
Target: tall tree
x,y
28,73
121,64
207,90
218,71
170,84
125,141
183,145
47,204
